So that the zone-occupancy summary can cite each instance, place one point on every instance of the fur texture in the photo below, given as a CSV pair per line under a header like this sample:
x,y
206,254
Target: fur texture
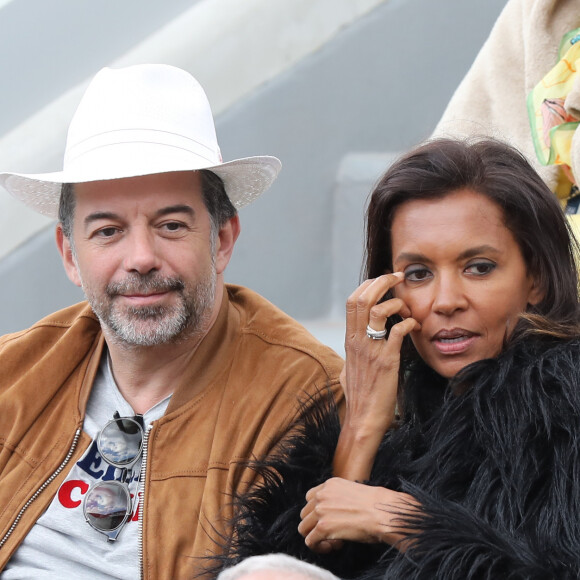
x,y
496,468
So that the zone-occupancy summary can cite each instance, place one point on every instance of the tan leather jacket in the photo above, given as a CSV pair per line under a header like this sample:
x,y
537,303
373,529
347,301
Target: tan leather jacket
x,y
249,371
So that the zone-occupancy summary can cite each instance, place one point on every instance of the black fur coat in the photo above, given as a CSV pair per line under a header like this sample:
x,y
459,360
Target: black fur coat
x,y
496,469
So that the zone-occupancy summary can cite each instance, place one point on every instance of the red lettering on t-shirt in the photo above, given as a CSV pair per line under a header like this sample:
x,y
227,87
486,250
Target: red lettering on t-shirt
x,y
136,506
66,490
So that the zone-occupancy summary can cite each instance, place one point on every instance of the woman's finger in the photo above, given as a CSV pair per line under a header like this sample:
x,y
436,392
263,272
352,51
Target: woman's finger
x,y
327,546
379,313
351,306
306,510
313,491
307,523
314,539
373,292
398,333
366,296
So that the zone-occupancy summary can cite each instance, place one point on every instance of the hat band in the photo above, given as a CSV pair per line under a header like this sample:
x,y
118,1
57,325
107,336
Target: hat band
x,y
143,136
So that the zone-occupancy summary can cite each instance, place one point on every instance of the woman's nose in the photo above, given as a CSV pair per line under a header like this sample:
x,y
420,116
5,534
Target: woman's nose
x,y
449,296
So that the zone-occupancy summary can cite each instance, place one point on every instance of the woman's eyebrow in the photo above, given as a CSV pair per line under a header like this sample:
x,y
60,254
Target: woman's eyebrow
x,y
477,250
410,257
465,255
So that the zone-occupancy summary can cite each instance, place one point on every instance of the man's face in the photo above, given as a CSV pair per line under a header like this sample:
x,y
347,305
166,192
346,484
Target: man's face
x,y
144,255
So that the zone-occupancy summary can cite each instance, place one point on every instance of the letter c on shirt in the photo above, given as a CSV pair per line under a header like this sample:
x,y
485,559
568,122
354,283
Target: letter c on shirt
x,y
66,490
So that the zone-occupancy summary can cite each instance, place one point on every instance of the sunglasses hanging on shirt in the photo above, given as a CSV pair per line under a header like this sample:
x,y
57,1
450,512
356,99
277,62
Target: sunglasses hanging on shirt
x,y
107,505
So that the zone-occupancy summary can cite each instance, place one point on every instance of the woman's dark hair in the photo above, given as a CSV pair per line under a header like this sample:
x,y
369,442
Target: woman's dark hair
x,y
531,212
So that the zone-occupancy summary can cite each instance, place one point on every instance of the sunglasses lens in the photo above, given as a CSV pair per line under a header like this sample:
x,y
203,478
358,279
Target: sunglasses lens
x,y
107,506
120,442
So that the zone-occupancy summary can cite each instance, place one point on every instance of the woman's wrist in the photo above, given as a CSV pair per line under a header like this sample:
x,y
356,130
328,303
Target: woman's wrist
x,y
367,426
389,508
355,453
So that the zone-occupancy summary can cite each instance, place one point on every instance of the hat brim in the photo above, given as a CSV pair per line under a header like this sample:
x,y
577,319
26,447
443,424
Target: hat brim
x,y
244,181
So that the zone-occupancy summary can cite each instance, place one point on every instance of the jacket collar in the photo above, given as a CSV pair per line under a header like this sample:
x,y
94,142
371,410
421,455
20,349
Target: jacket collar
x,y
213,356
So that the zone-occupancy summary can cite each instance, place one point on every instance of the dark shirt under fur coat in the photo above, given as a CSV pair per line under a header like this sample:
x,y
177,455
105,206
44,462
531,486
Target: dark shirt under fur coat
x,y
496,469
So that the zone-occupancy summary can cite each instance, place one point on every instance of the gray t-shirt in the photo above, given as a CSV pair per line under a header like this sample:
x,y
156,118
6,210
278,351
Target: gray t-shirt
x,y
62,544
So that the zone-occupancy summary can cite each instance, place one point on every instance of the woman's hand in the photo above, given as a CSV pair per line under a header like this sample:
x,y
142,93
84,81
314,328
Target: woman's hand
x,y
371,374
341,510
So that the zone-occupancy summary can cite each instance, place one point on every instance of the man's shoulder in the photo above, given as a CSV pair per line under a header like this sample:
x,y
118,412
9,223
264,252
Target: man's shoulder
x,y
74,320
274,328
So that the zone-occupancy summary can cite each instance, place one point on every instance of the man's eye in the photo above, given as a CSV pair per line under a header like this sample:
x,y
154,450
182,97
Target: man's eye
x,y
172,227
417,274
480,268
107,232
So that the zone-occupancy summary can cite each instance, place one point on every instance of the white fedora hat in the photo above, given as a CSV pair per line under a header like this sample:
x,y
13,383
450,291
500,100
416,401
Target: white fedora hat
x,y
140,120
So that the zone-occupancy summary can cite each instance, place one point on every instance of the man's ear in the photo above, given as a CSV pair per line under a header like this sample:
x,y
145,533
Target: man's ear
x,y
65,249
227,236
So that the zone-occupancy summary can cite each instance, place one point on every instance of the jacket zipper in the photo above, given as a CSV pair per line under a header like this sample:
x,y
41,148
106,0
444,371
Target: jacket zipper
x,y
42,487
142,478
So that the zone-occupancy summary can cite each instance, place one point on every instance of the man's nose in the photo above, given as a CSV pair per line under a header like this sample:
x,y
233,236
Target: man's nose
x,y
449,295
141,253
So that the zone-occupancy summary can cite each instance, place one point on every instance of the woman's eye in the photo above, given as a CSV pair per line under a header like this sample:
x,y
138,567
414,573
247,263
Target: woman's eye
x,y
417,274
480,268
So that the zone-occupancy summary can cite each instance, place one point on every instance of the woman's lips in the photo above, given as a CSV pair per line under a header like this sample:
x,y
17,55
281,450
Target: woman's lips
x,y
454,341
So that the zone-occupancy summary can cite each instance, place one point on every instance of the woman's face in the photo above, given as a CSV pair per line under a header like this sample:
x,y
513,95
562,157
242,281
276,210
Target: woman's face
x,y
465,277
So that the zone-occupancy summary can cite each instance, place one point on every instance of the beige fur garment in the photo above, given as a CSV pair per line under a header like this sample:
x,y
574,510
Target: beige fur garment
x,y
491,100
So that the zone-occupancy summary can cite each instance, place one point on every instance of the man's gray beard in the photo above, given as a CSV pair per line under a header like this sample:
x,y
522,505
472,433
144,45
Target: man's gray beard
x,y
155,325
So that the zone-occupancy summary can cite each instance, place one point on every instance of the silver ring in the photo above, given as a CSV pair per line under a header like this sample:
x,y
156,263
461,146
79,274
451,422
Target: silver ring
x,y
376,334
